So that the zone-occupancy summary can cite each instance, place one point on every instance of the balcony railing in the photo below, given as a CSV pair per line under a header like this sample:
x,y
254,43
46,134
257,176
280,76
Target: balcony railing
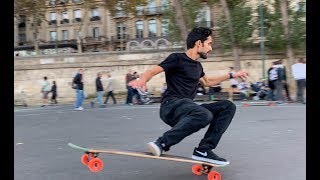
x,y
64,21
52,22
125,37
77,20
150,11
95,18
98,39
120,14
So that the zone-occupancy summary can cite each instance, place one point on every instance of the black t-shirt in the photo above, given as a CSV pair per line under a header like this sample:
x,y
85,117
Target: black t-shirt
x,y
182,76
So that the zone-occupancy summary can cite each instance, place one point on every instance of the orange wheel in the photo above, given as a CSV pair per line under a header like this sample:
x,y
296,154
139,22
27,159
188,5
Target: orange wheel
x,y
85,159
196,169
95,165
214,175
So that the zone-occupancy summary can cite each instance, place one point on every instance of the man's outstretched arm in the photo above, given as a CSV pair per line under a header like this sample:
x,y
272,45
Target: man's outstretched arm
x,y
211,81
145,77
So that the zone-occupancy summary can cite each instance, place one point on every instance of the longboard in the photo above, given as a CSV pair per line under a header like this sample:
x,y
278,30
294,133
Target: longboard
x,y
259,103
91,160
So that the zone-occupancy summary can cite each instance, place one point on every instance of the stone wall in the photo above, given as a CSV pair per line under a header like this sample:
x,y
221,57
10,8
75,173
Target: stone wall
x,y
29,71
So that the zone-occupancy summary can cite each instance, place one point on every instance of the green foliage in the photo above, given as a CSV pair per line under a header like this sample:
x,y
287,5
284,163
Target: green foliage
x,y
191,9
30,8
242,27
297,26
274,31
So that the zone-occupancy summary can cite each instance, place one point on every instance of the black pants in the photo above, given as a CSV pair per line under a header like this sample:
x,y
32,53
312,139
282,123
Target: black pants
x,y
110,93
301,86
53,98
186,117
286,87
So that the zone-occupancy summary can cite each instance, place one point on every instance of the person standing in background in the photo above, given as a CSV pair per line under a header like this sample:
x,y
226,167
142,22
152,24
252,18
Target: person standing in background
x,y
45,90
78,80
100,91
299,74
110,89
129,77
54,93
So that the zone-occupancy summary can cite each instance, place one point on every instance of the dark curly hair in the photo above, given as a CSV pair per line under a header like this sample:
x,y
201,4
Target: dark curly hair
x,y
198,33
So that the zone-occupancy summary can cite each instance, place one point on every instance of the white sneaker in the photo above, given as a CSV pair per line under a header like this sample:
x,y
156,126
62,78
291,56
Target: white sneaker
x,y
79,108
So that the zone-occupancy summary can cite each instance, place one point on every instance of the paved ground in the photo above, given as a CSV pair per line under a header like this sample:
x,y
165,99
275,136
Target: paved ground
x,y
262,143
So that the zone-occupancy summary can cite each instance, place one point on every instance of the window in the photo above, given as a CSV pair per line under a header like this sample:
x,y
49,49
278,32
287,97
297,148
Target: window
x,y
152,28
300,6
119,9
77,13
95,12
203,17
164,4
53,35
139,29
22,38
52,2
95,32
152,6
121,31
23,19
53,16
65,35
65,15
139,10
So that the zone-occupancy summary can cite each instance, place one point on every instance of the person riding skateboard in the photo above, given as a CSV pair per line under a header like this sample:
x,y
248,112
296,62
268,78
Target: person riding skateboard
x,y
183,72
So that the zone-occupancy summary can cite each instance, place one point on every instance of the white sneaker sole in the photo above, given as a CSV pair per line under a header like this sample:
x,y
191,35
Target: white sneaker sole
x,y
210,160
154,149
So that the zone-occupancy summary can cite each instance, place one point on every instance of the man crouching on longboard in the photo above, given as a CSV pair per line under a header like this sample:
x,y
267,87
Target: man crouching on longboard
x,y
183,72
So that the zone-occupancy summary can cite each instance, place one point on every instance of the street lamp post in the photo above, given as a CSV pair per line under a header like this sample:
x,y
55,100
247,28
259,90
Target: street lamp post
x,y
262,39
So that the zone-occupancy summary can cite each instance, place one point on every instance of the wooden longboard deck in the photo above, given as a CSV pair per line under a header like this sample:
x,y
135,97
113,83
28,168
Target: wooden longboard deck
x,y
260,103
143,155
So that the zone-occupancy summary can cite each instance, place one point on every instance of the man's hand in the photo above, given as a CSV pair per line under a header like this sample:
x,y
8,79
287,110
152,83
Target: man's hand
x,y
242,74
138,84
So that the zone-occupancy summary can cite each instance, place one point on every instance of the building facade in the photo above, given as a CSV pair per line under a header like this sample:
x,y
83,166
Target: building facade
x,y
71,26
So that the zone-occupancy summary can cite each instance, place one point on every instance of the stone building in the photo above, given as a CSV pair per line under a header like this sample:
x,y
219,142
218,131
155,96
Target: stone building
x,y
70,26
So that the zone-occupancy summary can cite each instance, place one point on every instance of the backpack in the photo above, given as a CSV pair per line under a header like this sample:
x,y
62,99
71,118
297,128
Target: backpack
x,y
273,74
73,84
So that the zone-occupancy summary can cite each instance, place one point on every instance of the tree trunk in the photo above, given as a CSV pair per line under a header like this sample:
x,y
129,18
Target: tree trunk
x,y
285,23
177,7
235,49
36,30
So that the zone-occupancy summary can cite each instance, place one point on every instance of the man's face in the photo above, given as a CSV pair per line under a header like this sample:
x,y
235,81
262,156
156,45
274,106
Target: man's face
x,y
205,48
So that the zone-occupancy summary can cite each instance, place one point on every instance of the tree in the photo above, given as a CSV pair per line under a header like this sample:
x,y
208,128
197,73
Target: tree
x,y
286,29
181,16
235,27
298,27
34,10
285,23
179,19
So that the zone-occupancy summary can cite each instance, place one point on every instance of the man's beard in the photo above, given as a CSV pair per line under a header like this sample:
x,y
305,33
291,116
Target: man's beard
x,y
203,55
